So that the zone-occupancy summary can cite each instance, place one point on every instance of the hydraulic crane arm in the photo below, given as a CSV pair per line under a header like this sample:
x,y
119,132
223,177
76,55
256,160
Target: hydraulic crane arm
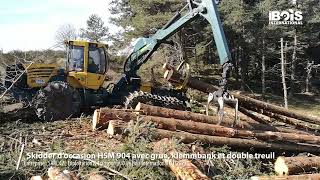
x,y
145,47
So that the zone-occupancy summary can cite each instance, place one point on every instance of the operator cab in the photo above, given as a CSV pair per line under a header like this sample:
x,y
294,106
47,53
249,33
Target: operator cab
x,y
87,63
88,57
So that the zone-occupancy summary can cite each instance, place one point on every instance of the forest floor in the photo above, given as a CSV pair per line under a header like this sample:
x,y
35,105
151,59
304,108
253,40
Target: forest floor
x,y
75,136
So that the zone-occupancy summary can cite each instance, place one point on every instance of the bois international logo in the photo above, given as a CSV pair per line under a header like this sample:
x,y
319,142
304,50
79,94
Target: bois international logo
x,y
288,17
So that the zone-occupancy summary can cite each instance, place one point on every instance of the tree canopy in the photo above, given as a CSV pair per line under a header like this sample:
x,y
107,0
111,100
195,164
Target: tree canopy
x,y
95,30
250,36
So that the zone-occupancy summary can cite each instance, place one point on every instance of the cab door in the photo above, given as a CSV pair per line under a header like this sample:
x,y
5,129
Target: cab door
x,y
96,67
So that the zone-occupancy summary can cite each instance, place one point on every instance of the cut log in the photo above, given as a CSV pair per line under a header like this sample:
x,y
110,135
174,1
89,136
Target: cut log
x,y
186,115
208,129
294,177
116,127
295,165
56,174
95,120
244,101
254,115
182,168
37,178
233,142
291,121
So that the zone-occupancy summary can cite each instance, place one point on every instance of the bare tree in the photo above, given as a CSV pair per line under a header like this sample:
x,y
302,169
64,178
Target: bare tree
x,y
283,74
13,68
309,68
263,70
293,64
65,32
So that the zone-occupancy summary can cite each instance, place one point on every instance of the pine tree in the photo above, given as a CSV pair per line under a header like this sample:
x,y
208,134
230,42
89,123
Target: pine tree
x,y
95,31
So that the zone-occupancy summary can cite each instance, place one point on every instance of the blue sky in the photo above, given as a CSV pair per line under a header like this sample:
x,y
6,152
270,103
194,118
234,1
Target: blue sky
x,y
32,24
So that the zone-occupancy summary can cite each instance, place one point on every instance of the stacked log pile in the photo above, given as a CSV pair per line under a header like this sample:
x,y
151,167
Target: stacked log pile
x,y
247,103
192,127
253,131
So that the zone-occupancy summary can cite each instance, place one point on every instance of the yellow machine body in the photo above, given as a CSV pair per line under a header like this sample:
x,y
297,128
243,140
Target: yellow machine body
x,y
39,75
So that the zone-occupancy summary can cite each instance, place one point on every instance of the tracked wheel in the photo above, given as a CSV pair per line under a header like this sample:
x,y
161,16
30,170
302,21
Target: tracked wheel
x,y
57,101
157,100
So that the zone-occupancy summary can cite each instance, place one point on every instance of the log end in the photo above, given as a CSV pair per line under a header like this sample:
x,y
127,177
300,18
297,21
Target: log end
x,y
255,178
117,127
164,66
167,75
36,178
138,108
111,130
280,167
95,119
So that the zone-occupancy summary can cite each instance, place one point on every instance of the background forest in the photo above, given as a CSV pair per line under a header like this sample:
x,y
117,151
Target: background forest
x,y
254,44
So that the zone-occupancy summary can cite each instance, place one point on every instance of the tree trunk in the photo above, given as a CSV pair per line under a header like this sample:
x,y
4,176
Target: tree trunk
x,y
233,142
209,129
309,70
244,101
186,115
283,75
182,168
294,177
263,70
242,71
295,165
293,65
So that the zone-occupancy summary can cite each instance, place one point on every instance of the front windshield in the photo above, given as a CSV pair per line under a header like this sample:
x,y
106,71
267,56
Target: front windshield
x,y
76,58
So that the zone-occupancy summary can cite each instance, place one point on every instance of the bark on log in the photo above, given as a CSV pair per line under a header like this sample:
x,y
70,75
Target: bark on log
x,y
291,121
295,165
294,177
208,129
186,115
254,115
183,169
233,142
244,101
96,124
116,127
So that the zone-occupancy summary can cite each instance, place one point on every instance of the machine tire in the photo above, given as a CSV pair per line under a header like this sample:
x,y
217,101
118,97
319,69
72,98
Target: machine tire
x,y
57,101
156,100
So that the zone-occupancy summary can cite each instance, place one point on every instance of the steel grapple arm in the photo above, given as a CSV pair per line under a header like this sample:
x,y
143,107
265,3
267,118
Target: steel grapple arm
x,y
145,47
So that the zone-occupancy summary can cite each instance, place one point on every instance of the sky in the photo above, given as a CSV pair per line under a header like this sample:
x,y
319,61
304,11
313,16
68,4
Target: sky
x,y
32,24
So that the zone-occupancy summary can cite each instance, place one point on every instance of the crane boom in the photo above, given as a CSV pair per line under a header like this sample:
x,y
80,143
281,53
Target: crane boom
x,y
144,47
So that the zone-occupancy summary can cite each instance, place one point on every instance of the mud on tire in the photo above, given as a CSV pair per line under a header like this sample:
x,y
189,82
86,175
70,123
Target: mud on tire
x,y
57,101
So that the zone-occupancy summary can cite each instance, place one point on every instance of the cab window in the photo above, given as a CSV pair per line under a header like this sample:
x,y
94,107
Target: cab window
x,y
75,62
97,61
